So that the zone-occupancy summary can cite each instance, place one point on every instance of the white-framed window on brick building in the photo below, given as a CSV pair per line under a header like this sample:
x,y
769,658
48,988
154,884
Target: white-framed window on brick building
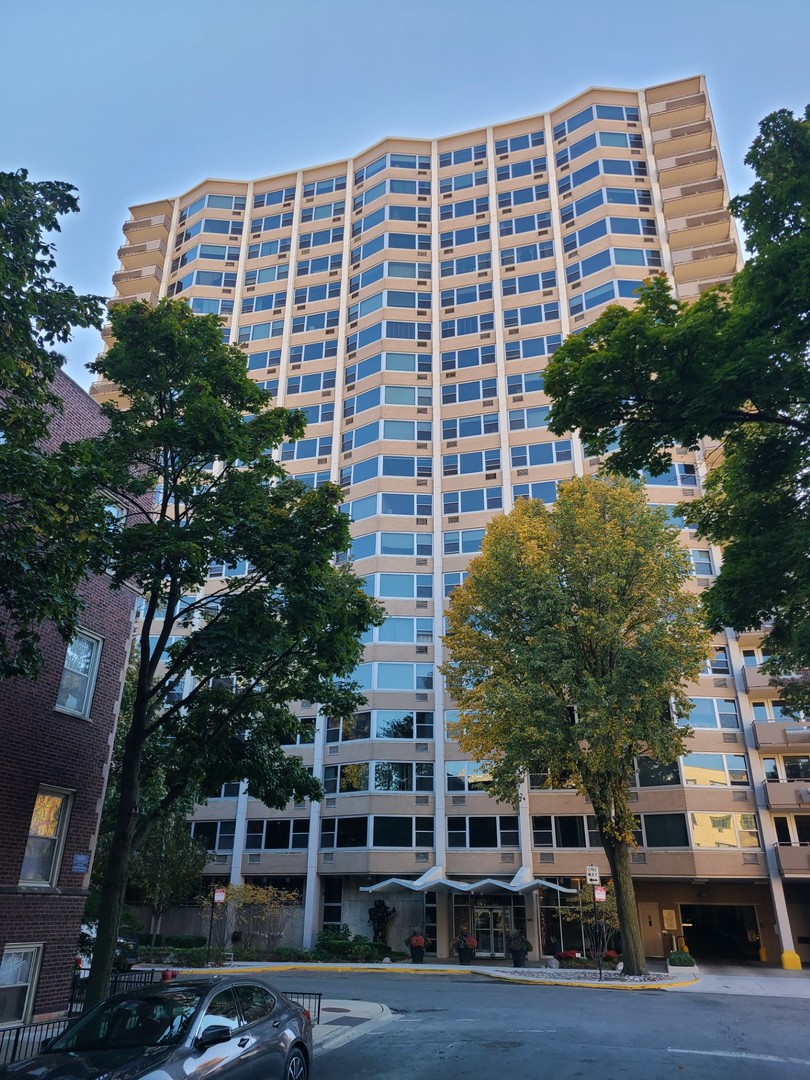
x,y
79,675
19,970
46,837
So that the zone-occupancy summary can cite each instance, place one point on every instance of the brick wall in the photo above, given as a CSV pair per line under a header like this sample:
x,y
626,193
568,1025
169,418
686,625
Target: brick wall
x,y
41,746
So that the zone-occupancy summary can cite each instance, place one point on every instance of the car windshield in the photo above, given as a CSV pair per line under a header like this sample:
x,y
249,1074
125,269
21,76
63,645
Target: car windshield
x,y
139,1020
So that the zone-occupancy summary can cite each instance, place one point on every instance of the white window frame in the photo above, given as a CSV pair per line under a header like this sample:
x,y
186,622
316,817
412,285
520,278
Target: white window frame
x,y
87,704
25,947
59,846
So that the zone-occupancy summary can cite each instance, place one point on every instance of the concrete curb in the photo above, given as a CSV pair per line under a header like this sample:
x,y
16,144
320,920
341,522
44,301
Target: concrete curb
x,y
430,969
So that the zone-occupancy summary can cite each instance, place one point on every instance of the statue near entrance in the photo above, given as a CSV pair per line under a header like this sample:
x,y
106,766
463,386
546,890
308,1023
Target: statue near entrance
x,y
379,915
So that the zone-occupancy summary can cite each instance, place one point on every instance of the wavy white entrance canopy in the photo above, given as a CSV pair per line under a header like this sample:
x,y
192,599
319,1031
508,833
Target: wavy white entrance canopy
x,y
434,880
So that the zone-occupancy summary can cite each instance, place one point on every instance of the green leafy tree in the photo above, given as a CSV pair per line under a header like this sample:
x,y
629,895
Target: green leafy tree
x,y
167,867
731,367
569,644
47,540
215,675
599,919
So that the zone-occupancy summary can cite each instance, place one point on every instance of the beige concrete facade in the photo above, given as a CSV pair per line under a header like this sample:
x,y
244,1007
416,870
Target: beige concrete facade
x,y
409,298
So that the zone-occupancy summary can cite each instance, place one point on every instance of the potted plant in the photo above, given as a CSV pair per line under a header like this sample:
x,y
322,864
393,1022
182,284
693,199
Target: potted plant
x,y
417,943
465,945
519,945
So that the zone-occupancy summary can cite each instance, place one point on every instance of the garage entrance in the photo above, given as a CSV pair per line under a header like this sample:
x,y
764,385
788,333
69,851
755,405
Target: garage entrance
x,y
721,931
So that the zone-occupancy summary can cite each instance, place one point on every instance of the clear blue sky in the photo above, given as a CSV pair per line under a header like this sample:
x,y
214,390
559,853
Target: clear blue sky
x,y
141,100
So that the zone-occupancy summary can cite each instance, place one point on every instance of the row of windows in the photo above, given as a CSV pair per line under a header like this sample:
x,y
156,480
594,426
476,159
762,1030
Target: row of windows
x,y
622,226
392,161
389,503
402,430
392,187
386,465
612,257
462,181
212,202
386,361
601,167
479,205
221,226
389,328
602,196
467,264
399,630
408,241
388,395
598,112
397,776
389,269
389,298
408,544
627,141
390,212
561,831
385,723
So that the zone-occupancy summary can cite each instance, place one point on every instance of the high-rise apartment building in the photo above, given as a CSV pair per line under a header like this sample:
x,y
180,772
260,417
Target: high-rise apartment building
x,y
407,299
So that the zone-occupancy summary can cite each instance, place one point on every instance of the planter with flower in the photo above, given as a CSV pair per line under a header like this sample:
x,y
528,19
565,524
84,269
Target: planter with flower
x,y
519,945
465,945
417,943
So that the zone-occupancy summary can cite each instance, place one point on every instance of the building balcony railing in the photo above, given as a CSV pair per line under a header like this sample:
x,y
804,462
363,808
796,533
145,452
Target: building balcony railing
x,y
148,228
688,168
793,859
149,297
787,794
141,253
129,281
776,734
693,198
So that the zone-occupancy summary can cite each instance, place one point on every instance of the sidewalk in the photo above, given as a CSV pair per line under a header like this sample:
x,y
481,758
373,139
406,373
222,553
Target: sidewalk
x,y
342,1021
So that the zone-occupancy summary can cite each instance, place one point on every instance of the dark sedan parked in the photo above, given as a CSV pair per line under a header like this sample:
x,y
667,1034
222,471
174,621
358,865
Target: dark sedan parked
x,y
215,1027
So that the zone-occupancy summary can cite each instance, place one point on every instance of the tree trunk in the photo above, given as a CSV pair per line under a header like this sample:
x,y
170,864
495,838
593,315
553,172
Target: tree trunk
x,y
116,873
618,853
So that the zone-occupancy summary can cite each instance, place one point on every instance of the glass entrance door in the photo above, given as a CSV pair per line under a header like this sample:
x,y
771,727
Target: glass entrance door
x,y
491,927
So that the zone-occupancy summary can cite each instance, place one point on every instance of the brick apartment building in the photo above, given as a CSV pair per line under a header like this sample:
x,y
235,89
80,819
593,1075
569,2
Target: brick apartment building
x,y
57,735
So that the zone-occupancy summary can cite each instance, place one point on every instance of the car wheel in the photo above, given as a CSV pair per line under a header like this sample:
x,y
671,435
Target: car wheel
x,y
296,1066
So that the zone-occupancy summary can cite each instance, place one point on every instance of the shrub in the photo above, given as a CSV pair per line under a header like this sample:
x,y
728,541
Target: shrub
x,y
680,959
194,958
289,953
185,941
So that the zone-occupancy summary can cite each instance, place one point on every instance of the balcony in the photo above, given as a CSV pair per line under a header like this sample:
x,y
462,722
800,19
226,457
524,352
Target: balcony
x,y
148,297
787,794
683,110
757,680
148,228
793,859
688,168
776,735
128,282
135,255
698,198
698,230
683,139
712,261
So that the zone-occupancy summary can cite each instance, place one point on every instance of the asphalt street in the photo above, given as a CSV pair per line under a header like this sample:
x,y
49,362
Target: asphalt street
x,y
467,1026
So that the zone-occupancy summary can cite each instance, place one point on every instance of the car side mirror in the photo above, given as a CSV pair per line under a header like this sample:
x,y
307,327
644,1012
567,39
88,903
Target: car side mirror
x,y
216,1033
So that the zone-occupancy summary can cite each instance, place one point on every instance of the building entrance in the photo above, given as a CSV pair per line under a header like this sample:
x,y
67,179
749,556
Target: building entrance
x,y
721,931
492,926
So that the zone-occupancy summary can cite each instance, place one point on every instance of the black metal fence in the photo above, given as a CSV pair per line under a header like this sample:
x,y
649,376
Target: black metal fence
x,y
311,1002
125,980
17,1043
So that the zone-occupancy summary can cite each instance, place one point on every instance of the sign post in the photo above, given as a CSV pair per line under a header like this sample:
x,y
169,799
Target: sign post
x,y
217,897
592,879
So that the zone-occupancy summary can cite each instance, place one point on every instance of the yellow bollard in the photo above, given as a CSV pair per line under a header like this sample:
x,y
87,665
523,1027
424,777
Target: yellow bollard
x,y
763,954
791,961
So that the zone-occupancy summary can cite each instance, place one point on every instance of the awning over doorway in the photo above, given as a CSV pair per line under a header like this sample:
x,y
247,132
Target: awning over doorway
x,y
435,880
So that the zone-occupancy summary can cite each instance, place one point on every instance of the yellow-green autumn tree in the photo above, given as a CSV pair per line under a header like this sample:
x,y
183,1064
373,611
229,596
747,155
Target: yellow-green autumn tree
x,y
570,644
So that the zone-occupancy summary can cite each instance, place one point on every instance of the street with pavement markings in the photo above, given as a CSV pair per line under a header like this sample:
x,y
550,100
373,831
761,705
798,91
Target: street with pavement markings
x,y
463,1025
